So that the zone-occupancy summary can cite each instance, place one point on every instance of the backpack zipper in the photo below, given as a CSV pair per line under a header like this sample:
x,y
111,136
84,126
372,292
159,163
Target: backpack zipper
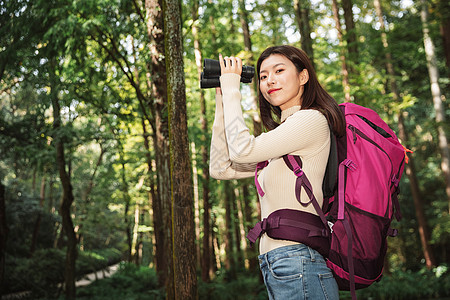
x,y
356,132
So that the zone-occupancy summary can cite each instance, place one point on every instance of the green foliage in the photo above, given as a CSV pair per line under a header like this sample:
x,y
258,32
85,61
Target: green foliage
x,y
401,285
39,274
22,214
130,282
43,273
245,286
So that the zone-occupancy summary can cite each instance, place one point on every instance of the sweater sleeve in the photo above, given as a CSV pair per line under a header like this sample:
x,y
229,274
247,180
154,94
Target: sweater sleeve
x,y
304,133
221,167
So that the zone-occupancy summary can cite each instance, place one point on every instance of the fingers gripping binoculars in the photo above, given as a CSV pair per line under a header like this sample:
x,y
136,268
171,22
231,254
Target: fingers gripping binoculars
x,y
211,73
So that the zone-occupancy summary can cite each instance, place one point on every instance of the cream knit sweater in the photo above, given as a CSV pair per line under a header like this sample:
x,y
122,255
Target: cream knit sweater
x,y
235,153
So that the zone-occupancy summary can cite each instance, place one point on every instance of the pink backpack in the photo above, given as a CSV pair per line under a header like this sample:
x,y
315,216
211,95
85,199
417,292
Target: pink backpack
x,y
360,199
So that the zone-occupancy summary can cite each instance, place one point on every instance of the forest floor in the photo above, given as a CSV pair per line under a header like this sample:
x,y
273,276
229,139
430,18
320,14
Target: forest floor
x,y
86,280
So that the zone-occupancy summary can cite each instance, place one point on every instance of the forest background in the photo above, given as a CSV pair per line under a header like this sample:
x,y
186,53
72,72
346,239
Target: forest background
x,y
104,139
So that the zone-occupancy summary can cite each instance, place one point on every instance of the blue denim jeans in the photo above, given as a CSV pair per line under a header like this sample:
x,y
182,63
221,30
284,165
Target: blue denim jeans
x,y
297,272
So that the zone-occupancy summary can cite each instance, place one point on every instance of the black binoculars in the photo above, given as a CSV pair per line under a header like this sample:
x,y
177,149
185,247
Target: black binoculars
x,y
211,73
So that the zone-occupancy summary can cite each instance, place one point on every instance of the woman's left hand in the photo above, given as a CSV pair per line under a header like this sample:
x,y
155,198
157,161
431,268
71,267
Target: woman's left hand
x,y
230,65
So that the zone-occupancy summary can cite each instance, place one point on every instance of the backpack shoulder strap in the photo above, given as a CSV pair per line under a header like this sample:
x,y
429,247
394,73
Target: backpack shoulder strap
x,y
294,162
330,177
260,166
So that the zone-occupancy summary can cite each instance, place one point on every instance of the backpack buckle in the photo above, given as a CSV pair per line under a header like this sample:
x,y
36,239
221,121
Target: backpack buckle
x,y
298,171
350,164
270,223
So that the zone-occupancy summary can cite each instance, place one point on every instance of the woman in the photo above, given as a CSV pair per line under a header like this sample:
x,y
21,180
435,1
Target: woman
x,y
296,112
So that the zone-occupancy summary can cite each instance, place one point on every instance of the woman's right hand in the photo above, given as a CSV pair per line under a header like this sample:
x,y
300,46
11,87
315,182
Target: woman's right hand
x,y
230,65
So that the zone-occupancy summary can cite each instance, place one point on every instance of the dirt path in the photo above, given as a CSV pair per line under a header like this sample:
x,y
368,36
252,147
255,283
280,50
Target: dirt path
x,y
89,278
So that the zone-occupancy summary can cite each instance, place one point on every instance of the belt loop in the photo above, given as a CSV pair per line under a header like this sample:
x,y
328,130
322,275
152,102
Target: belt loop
x,y
263,261
311,253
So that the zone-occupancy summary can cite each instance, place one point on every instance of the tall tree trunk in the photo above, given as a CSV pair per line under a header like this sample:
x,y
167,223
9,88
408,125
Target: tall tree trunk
x,y
433,72
344,68
419,208
196,204
350,32
206,266
214,259
212,25
126,199
67,198
257,124
444,12
152,195
230,263
185,277
135,242
445,33
248,224
301,8
216,251
403,134
237,223
50,207
37,224
161,203
3,237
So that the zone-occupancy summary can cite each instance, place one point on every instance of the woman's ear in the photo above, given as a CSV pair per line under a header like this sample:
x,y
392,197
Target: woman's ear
x,y
304,76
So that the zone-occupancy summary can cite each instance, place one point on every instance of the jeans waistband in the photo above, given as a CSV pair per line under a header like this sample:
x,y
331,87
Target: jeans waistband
x,y
292,250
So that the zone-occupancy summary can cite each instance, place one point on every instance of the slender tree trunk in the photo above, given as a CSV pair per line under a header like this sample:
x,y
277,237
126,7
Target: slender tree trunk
x,y
206,266
185,277
238,229
212,25
410,169
3,237
152,194
161,199
420,214
126,199
433,72
445,33
345,80
50,206
214,256
301,8
249,222
37,224
444,12
196,204
384,40
350,35
216,251
257,124
134,240
230,262
67,200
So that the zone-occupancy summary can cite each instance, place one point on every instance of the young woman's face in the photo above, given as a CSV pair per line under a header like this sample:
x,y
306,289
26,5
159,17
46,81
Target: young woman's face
x,y
280,82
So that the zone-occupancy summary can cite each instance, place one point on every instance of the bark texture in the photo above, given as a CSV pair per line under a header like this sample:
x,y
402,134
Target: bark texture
x,y
185,277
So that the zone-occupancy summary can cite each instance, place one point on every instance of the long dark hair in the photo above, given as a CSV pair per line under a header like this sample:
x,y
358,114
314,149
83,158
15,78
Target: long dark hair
x,y
314,95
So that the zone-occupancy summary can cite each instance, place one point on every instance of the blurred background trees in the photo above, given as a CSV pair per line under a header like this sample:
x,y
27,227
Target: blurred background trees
x,y
85,164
